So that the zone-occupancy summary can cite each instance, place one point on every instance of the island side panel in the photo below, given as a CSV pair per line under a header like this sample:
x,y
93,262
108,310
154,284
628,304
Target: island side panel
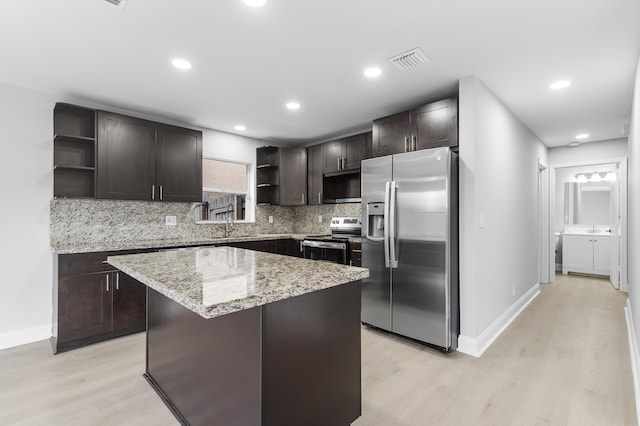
x,y
311,358
207,370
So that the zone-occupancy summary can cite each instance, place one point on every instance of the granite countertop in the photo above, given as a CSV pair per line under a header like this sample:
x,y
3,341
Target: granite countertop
x,y
98,246
215,281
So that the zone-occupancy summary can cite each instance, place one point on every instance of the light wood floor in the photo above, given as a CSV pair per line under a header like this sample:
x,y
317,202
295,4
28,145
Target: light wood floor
x,y
564,361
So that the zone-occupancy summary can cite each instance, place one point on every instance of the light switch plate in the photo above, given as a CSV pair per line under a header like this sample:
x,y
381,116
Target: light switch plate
x,y
320,218
482,220
170,221
270,219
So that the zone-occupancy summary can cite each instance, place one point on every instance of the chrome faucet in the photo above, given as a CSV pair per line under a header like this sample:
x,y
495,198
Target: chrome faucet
x,y
229,224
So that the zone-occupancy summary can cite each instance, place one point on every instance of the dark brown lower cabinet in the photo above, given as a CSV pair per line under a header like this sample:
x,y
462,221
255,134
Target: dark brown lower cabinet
x,y
355,254
94,302
84,307
287,246
129,304
291,362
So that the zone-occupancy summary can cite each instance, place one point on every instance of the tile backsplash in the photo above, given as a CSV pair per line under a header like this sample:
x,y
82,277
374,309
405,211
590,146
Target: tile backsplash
x,y
80,220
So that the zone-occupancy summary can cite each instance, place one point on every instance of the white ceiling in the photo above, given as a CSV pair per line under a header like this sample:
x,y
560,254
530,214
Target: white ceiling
x,y
248,62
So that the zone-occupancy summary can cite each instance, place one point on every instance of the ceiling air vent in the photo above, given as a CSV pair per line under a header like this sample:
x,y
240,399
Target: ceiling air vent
x,y
410,59
120,4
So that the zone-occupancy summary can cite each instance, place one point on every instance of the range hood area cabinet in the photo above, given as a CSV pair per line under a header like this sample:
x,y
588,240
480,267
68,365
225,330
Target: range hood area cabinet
x,y
144,160
344,154
334,168
430,126
281,176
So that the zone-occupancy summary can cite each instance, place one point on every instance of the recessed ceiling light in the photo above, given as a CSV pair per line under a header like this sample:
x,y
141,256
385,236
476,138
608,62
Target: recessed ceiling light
x,y
293,105
372,72
560,85
573,144
240,127
255,3
181,64
582,136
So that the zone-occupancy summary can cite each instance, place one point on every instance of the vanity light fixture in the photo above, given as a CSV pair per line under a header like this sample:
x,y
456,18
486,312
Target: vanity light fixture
x,y
560,85
293,105
182,64
606,176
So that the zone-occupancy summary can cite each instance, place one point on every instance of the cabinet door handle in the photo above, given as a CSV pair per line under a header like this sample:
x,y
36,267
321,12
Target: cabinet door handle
x,y
406,144
302,198
160,192
117,280
319,197
107,282
414,142
338,163
153,192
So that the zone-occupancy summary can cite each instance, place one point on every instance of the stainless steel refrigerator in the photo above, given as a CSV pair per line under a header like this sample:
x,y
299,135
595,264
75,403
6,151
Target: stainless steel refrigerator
x,y
410,245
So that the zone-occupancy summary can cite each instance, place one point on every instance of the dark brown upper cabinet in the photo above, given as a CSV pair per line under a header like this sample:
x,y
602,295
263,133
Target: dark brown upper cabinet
x,y
293,176
435,125
179,164
144,160
281,176
344,154
315,161
429,126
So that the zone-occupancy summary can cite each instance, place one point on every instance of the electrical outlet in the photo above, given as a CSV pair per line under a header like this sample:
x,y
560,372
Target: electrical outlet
x,y
513,291
170,220
270,219
320,218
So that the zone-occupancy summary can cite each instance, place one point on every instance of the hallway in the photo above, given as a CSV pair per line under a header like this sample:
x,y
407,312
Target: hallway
x,y
563,361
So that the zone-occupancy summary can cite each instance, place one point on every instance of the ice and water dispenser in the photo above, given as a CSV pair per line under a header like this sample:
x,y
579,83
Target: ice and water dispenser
x,y
375,221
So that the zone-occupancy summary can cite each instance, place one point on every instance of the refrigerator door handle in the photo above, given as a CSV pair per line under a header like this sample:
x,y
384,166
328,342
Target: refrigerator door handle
x,y
387,189
393,261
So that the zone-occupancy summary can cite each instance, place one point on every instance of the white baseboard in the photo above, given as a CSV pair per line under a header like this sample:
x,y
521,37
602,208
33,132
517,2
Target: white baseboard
x,y
476,346
27,335
634,354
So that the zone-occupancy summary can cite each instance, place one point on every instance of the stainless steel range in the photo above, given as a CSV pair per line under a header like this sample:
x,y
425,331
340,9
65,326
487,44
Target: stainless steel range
x,y
334,247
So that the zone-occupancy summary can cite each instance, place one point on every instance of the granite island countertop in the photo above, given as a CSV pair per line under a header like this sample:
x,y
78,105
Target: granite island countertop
x,y
215,281
99,246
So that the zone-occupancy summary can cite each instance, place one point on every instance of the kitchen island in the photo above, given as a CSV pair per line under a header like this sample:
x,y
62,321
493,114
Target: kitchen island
x,y
239,337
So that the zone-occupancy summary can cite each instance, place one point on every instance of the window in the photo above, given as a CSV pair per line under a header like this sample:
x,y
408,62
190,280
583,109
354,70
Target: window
x,y
224,189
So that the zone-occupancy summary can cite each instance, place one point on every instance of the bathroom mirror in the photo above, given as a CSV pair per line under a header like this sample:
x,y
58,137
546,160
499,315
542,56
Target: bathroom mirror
x,y
587,203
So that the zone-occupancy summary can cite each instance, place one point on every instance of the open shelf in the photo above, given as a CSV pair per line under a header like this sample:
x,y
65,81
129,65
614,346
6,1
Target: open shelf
x,y
74,151
74,182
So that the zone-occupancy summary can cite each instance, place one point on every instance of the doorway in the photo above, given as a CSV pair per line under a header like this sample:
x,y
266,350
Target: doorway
x,y
574,190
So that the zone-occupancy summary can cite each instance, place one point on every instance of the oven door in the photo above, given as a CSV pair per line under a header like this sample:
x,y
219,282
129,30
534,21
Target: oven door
x,y
330,251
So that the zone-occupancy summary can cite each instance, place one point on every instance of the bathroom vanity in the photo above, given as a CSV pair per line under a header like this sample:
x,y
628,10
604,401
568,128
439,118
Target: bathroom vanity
x,y
586,253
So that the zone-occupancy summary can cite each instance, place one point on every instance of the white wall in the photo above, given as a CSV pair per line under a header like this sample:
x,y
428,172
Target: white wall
x,y
499,184
634,227
588,152
26,187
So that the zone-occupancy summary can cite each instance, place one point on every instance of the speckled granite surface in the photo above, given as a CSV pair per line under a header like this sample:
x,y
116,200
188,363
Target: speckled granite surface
x,y
121,224
97,246
220,280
